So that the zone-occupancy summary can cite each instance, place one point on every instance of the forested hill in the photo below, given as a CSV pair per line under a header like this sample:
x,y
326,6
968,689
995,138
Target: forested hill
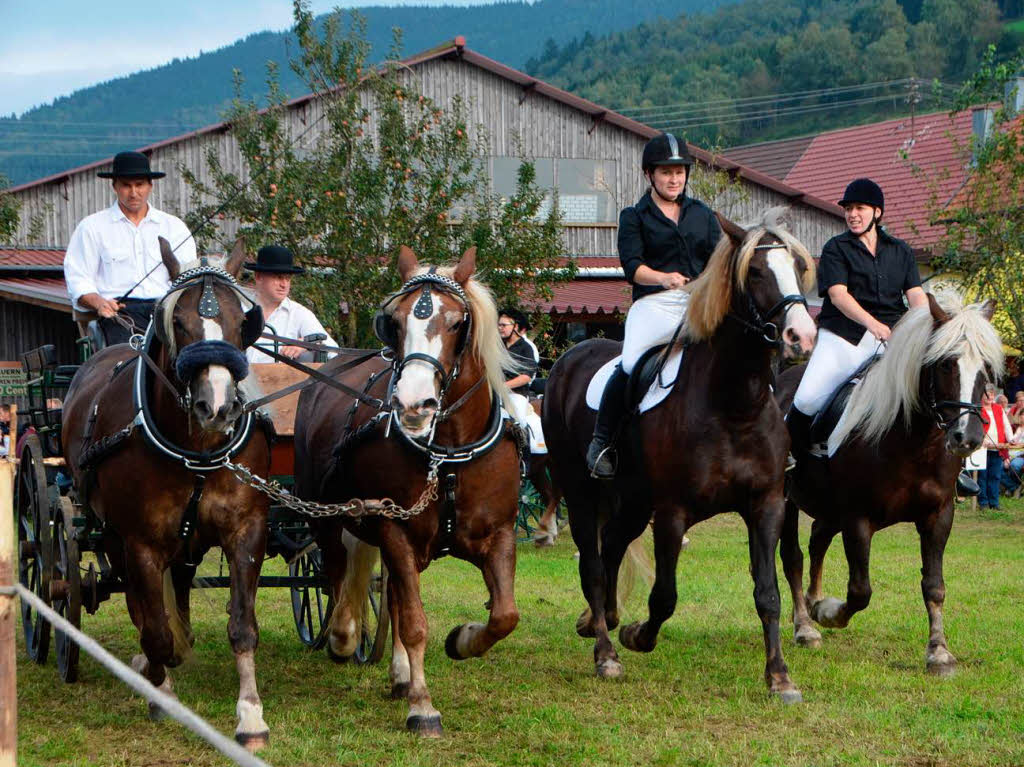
x,y
152,105
713,77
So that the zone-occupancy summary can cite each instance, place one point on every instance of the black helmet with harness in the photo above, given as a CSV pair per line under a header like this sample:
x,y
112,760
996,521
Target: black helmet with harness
x,y
866,192
665,149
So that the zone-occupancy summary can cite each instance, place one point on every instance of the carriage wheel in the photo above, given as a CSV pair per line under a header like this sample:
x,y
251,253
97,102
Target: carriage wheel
x,y
531,507
311,605
376,619
35,556
67,588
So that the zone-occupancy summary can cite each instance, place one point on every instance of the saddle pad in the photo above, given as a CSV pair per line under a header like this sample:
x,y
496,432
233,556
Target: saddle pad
x,y
655,393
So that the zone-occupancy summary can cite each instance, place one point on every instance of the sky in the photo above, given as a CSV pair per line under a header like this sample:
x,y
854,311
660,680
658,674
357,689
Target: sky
x,y
51,48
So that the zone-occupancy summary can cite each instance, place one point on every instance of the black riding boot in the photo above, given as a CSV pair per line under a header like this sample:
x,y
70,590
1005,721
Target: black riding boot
x,y
965,485
609,416
799,425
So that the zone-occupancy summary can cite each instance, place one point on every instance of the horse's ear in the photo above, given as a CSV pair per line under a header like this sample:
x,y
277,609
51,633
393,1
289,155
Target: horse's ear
x,y
407,263
170,260
988,309
466,267
734,232
938,314
234,263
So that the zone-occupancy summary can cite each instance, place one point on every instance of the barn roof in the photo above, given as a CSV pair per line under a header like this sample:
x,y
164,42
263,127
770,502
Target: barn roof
x,y
456,49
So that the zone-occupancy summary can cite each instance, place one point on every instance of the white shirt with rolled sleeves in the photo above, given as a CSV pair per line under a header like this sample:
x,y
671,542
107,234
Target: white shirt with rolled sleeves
x,y
291,320
108,254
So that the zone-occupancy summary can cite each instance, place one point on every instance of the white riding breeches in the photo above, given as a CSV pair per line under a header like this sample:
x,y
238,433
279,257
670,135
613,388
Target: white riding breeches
x,y
833,361
528,418
651,321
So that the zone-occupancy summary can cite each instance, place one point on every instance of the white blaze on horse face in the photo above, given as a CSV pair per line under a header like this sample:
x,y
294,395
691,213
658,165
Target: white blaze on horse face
x,y
969,370
419,380
798,321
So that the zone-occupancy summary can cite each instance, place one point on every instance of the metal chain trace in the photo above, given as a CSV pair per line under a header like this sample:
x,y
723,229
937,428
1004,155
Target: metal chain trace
x,y
355,507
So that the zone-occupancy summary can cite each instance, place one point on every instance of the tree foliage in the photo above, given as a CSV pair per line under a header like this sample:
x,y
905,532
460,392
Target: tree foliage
x,y
10,211
381,166
983,248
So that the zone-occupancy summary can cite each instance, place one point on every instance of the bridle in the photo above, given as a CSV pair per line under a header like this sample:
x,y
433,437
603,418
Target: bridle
x,y
424,308
763,324
935,408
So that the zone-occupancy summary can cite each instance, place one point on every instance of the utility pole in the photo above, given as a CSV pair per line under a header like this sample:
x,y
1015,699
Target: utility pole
x,y
913,98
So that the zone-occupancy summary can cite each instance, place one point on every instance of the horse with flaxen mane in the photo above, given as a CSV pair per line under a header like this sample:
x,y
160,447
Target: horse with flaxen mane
x,y
441,450
146,441
896,453
717,443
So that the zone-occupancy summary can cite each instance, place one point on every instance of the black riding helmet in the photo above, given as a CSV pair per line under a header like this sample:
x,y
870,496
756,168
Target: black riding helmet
x,y
666,149
864,191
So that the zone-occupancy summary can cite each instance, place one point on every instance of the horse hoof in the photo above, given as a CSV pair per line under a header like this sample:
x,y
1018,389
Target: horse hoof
x,y
399,691
609,668
450,644
789,696
253,741
585,625
941,662
629,637
425,726
808,637
942,669
156,713
825,613
611,620
543,541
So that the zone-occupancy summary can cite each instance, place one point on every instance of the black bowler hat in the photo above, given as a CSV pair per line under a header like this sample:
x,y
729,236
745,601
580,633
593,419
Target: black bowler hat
x,y
275,258
131,165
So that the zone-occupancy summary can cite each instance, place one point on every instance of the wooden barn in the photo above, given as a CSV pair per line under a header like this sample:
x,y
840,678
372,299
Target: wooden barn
x,y
590,154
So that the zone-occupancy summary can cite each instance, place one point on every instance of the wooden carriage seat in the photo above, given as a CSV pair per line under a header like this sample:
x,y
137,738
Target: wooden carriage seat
x,y
272,377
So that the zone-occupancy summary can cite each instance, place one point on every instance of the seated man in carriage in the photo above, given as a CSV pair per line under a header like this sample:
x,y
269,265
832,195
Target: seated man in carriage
x,y
512,327
272,274
113,265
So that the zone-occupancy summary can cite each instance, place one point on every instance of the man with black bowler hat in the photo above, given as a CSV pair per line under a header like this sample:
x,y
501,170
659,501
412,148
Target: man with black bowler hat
x,y
272,273
113,264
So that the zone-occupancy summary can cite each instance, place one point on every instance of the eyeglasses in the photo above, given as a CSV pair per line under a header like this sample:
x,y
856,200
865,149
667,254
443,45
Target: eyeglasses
x,y
505,325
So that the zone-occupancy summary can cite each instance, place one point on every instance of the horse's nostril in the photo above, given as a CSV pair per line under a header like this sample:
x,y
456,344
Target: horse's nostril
x,y
203,410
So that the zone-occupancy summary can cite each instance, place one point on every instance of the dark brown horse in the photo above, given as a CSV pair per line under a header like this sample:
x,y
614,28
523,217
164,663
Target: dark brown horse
x,y
897,451
717,443
443,397
141,492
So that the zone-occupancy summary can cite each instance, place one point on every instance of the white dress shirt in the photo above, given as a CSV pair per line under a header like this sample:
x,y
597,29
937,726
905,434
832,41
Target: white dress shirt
x,y
108,254
291,320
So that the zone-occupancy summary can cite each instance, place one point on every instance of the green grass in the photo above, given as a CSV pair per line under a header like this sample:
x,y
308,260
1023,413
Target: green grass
x,y
698,699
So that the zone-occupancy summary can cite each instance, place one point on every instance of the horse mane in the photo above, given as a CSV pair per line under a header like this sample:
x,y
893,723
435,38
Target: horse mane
x,y
892,386
486,343
711,293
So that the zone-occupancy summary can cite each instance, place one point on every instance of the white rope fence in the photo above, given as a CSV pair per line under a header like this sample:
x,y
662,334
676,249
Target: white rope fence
x,y
133,679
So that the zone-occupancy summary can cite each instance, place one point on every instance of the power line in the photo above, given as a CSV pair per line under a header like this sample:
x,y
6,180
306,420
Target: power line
x,y
5,122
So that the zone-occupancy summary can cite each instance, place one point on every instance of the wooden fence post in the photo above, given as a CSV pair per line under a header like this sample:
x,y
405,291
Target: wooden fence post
x,y
8,620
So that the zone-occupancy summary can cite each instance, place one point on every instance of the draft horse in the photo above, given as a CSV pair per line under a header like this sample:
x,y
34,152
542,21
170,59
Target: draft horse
x,y
717,443
896,453
442,423
146,437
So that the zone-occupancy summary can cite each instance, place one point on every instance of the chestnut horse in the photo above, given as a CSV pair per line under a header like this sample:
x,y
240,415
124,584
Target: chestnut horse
x,y
145,452
717,443
896,454
442,451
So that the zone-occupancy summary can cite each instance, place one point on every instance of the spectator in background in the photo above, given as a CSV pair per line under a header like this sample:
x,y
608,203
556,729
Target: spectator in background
x,y
1003,402
1017,411
5,430
997,432
1015,378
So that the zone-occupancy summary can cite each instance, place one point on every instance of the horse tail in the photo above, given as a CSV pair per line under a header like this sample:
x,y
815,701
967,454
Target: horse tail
x,y
636,565
181,631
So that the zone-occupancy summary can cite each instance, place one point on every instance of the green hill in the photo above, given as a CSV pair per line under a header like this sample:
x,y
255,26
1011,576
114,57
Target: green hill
x,y
711,77
184,94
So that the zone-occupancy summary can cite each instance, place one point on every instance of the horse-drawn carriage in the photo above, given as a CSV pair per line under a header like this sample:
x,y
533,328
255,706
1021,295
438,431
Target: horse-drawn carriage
x,y
61,553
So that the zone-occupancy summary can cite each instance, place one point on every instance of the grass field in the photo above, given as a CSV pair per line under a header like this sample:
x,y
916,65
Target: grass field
x,y
698,699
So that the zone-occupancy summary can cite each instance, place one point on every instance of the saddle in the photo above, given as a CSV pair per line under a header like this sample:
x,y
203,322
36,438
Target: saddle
x,y
828,417
649,383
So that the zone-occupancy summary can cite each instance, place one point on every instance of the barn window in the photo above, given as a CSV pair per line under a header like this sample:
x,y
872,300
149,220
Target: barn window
x,y
586,188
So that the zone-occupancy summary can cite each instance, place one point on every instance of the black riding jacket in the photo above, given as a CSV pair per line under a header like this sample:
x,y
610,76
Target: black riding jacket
x,y
647,236
876,282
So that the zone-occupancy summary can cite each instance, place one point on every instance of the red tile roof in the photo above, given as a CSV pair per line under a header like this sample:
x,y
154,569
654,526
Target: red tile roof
x,y
583,296
51,292
776,158
888,152
31,257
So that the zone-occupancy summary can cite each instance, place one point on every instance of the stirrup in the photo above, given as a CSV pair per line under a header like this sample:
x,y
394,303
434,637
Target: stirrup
x,y
966,487
606,453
